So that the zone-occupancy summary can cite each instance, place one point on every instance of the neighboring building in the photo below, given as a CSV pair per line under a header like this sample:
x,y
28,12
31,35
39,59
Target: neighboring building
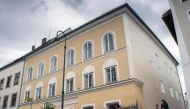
x,y
181,17
113,59
10,84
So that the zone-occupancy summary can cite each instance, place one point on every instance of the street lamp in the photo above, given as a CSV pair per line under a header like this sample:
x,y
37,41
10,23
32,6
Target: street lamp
x,y
63,82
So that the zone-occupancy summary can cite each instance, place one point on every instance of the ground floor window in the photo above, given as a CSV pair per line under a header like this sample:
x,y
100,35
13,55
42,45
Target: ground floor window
x,y
13,99
5,101
88,107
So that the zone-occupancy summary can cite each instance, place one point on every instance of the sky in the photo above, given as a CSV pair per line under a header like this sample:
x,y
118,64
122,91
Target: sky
x,y
24,23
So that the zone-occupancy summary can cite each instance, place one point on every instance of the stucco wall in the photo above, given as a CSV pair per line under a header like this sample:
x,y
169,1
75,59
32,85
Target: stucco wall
x,y
12,70
151,65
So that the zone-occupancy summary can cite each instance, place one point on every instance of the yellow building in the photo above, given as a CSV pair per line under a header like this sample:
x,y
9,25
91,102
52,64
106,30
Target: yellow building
x,y
109,62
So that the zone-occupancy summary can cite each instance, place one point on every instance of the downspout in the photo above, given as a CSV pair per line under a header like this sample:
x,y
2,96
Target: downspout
x,y
21,83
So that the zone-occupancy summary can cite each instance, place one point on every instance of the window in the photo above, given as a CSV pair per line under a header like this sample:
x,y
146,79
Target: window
x,y
87,50
162,87
40,69
38,93
108,41
183,0
2,83
171,92
88,107
176,95
27,95
8,81
17,78
53,64
111,74
30,70
5,101
13,100
70,57
70,85
52,89
88,80
112,104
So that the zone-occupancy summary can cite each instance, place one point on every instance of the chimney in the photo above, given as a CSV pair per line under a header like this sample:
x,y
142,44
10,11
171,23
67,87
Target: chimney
x,y
44,41
33,47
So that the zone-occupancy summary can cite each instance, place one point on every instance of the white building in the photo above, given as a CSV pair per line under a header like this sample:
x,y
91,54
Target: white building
x,y
10,84
181,17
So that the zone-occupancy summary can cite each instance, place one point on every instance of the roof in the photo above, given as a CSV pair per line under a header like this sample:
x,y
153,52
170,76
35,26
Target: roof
x,y
56,39
168,20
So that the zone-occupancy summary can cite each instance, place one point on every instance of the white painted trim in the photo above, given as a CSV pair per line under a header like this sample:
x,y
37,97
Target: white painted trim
x,y
93,45
39,84
102,41
86,70
50,64
69,75
73,48
86,105
27,73
129,46
52,80
43,70
105,66
112,101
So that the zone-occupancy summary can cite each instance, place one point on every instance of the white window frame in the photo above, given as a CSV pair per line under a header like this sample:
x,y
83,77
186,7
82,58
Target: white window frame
x,y
111,62
37,76
69,108
68,60
40,84
28,88
114,42
87,105
177,96
28,74
162,86
171,92
68,76
112,101
83,54
51,81
86,70
56,66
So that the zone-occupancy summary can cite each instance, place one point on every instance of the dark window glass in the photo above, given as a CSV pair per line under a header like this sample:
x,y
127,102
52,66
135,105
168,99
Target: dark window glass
x,y
70,85
1,83
17,78
111,74
88,80
87,50
8,81
27,95
184,0
38,92
52,89
88,107
5,101
13,100
108,42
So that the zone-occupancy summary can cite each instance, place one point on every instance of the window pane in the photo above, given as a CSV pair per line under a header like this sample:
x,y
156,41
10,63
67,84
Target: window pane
x,y
71,84
108,75
1,83
86,80
111,43
5,101
90,80
17,77
29,74
113,70
13,100
106,43
9,81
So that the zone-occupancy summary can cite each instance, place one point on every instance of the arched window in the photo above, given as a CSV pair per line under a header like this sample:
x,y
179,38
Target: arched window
x,y
52,87
70,57
108,41
111,73
53,67
87,51
29,76
40,69
38,91
88,77
27,94
70,82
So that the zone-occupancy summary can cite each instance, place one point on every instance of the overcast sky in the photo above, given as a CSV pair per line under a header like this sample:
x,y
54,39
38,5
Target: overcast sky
x,y
24,23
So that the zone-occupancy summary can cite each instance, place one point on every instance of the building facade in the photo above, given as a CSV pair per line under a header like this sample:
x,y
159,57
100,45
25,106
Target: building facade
x,y
181,17
10,84
112,60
